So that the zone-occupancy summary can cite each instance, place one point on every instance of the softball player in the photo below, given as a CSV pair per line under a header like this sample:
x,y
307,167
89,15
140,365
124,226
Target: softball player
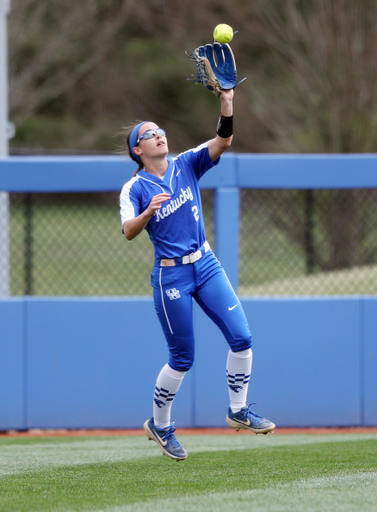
x,y
163,197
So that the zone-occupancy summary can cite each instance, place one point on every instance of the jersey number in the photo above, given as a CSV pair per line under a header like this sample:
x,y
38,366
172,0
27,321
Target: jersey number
x,y
196,213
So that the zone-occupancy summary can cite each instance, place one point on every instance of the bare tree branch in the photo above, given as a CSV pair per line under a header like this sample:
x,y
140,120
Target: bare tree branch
x,y
62,56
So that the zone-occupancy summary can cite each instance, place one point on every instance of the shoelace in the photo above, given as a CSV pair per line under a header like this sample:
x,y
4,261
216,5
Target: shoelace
x,y
170,434
249,412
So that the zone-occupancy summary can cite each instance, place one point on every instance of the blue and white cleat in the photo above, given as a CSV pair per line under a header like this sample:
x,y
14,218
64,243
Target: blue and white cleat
x,y
166,440
246,419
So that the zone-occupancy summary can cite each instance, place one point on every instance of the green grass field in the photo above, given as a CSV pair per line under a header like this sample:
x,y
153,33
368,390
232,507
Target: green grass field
x,y
332,472
358,280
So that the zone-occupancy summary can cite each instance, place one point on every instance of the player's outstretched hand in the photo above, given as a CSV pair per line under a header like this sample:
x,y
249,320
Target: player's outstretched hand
x,y
156,203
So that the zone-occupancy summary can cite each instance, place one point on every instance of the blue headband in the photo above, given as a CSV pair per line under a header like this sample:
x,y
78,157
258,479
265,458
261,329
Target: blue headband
x,y
134,136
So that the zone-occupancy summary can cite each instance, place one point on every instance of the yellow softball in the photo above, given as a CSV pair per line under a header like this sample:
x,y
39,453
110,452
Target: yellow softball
x,y
223,33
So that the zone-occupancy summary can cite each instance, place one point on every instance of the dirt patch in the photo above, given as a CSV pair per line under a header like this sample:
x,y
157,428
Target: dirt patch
x,y
182,431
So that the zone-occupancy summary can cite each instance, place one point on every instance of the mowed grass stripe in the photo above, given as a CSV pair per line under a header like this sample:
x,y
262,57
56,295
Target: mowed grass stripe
x,y
20,455
222,474
345,493
36,454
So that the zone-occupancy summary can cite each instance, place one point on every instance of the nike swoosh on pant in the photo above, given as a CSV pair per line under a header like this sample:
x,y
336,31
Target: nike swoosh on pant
x,y
231,308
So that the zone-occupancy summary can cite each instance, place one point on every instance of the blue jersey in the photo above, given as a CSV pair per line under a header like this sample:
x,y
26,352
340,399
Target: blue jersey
x,y
177,228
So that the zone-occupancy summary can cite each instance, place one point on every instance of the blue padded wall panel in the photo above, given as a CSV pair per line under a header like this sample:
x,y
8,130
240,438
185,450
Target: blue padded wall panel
x,y
370,361
306,357
94,363
306,360
12,365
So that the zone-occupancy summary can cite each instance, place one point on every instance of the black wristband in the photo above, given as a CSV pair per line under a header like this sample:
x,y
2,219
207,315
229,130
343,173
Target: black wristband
x,y
225,126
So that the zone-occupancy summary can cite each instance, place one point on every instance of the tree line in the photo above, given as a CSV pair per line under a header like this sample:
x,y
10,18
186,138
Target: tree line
x,y
80,71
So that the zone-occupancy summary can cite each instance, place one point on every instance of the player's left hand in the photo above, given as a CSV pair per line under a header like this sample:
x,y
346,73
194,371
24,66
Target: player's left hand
x,y
156,203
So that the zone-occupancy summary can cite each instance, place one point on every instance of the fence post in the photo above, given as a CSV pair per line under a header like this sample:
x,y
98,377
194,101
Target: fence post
x,y
4,135
28,257
309,239
227,220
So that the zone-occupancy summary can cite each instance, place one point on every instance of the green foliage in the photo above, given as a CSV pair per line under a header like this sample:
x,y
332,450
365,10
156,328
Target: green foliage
x,y
310,79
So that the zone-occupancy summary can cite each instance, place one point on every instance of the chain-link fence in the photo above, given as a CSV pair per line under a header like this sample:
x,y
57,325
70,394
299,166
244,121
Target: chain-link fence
x,y
308,242
292,242
72,244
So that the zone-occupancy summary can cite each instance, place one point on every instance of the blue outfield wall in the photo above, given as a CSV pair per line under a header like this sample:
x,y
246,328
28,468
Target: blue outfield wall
x,y
108,173
93,362
235,171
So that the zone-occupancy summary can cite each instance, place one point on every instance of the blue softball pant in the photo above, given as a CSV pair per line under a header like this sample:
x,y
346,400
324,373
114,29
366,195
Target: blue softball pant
x,y
206,282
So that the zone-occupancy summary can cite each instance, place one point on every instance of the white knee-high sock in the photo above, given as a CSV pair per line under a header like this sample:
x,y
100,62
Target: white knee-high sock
x,y
238,370
167,385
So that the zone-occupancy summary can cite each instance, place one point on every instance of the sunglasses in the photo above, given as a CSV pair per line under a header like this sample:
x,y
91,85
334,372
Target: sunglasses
x,y
149,134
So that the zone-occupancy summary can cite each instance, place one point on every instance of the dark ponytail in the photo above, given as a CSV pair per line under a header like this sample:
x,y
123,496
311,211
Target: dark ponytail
x,y
131,153
124,146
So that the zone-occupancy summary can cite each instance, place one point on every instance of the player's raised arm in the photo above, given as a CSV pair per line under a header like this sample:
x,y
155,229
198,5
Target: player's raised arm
x,y
224,136
217,71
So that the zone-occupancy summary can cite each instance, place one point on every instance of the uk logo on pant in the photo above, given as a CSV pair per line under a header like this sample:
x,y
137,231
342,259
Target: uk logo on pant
x,y
173,293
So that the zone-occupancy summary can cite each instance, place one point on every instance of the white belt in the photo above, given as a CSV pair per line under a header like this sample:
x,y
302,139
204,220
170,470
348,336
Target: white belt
x,y
190,258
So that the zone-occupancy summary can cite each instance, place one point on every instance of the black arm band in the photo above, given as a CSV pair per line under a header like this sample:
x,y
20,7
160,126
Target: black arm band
x,y
225,126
